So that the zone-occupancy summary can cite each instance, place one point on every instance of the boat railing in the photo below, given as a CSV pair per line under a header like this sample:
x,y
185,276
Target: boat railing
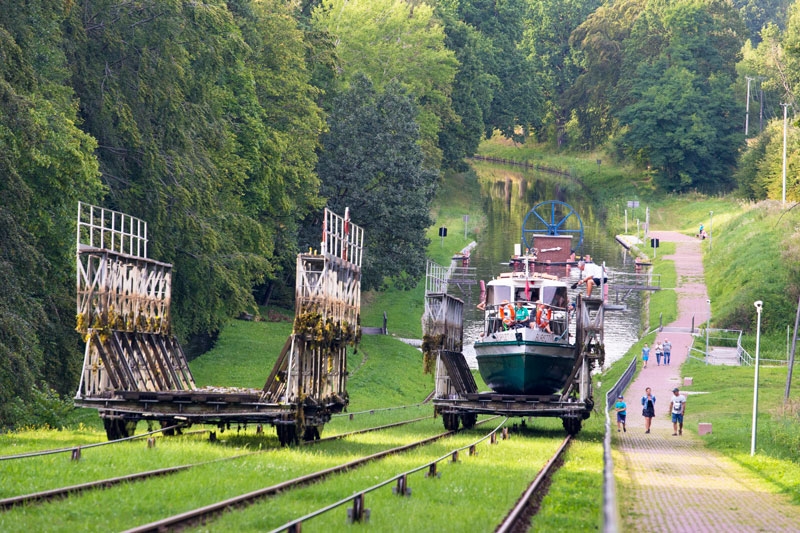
x,y
496,317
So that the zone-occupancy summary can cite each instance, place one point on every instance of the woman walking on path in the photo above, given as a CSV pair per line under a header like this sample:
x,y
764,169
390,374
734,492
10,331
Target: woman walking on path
x,y
645,355
648,408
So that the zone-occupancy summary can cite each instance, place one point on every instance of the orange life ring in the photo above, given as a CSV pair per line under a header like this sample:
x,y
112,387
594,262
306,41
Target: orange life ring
x,y
543,319
506,314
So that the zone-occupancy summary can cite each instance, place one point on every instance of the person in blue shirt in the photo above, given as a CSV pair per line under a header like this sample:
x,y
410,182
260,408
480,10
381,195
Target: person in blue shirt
x,y
621,408
645,355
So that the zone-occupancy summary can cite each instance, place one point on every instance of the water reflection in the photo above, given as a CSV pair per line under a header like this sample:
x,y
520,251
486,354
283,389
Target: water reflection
x,y
507,195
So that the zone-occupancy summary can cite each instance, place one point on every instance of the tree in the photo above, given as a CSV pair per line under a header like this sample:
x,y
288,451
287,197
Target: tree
x,y
47,165
371,161
677,109
517,99
207,125
558,64
473,91
394,41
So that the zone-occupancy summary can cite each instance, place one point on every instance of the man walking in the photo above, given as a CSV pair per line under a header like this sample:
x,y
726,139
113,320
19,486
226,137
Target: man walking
x,y
677,408
667,346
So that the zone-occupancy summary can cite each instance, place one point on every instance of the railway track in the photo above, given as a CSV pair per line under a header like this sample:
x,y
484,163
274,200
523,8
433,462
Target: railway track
x,y
202,514
518,519
65,492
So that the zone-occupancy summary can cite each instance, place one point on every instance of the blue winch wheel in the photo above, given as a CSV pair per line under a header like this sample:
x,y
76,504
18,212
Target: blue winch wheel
x,y
552,218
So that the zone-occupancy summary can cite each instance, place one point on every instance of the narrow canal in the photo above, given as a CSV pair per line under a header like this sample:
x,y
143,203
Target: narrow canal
x,y
507,194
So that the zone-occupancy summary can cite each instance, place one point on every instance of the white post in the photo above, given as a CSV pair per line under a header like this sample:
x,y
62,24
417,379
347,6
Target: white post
x,y
758,305
708,325
783,193
747,113
710,229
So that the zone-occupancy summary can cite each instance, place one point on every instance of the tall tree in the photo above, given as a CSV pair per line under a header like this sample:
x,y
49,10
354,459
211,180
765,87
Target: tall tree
x,y
473,91
206,125
678,108
47,165
547,42
394,41
517,100
371,161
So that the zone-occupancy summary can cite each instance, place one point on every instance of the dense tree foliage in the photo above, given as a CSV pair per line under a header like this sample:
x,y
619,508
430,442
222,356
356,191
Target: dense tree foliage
x,y
227,125
371,162
46,166
393,41
207,126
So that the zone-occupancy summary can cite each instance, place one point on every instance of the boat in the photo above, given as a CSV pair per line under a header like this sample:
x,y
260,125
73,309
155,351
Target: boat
x,y
528,357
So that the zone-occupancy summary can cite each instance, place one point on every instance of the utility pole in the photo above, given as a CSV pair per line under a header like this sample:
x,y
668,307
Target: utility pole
x,y
783,193
747,107
761,109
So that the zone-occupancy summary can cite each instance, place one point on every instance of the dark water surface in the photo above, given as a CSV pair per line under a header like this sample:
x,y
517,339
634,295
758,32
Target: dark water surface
x,y
508,194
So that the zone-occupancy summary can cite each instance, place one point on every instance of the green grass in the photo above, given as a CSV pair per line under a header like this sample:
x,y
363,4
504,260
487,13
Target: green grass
x,y
727,404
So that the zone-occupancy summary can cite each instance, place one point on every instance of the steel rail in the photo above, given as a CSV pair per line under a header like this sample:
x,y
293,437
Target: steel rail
x,y
64,492
513,520
295,524
201,514
84,446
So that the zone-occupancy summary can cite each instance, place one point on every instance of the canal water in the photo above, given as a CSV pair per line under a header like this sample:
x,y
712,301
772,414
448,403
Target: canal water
x,y
507,195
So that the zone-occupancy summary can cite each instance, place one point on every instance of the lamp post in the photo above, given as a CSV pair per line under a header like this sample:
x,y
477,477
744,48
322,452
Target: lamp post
x,y
759,304
708,325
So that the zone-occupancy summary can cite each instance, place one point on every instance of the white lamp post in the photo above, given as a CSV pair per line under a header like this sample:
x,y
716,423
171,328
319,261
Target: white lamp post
x,y
758,305
708,325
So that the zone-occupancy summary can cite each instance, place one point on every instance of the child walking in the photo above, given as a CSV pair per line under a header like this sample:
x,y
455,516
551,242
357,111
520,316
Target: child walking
x,y
621,408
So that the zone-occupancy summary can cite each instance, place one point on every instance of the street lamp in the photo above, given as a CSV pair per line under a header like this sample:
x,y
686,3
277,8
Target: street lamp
x,y
759,304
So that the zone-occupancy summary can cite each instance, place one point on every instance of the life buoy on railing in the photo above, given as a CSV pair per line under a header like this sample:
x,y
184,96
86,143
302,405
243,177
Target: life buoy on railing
x,y
543,316
506,313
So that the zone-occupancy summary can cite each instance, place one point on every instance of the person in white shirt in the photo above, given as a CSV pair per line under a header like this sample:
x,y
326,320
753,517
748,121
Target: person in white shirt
x,y
593,274
677,408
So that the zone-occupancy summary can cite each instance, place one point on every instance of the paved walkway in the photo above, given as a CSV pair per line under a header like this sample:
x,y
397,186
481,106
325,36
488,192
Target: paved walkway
x,y
675,484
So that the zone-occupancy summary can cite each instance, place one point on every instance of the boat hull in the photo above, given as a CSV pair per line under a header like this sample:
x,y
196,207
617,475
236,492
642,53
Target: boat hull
x,y
525,367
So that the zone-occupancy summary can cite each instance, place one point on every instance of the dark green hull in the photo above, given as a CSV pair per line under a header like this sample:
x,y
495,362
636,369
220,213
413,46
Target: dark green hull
x,y
535,368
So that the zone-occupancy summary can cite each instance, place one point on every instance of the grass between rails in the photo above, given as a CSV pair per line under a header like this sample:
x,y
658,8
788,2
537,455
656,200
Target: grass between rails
x,y
471,495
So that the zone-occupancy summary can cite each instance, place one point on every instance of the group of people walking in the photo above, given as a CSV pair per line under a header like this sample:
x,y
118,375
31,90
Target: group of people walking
x,y
662,350
677,408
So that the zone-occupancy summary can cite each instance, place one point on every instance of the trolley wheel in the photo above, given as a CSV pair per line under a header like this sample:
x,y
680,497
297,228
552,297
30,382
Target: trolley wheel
x,y
450,421
468,420
118,428
312,433
289,434
572,424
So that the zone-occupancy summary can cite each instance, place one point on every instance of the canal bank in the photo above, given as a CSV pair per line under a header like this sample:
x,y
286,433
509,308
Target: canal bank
x,y
675,483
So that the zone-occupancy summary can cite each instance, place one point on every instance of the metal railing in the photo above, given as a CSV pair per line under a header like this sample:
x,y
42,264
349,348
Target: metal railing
x,y
610,508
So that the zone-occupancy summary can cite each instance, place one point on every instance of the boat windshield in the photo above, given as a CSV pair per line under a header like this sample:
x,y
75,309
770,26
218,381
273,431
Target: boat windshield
x,y
555,296
496,294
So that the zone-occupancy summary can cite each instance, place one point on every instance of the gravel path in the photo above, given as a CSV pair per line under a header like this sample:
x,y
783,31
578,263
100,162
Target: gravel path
x,y
675,484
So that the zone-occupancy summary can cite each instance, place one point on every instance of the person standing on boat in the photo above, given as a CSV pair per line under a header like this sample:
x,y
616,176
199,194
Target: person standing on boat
x,y
667,350
648,408
523,315
593,274
543,315
645,355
